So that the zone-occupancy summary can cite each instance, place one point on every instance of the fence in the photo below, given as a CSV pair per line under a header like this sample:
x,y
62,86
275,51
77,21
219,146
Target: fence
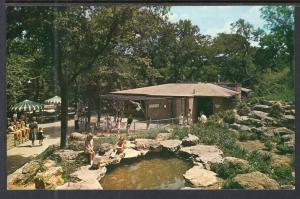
x,y
152,124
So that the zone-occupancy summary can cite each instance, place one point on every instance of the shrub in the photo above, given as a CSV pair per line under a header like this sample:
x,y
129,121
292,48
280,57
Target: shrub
x,y
229,184
229,116
276,110
284,148
268,145
260,161
282,174
227,171
179,133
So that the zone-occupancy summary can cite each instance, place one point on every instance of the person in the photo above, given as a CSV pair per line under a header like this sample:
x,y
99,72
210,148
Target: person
x,y
89,148
181,119
76,121
202,119
40,136
121,145
129,121
109,124
33,130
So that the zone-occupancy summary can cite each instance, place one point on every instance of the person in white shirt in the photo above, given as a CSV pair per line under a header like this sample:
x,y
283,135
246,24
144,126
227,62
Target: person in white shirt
x,y
202,119
89,148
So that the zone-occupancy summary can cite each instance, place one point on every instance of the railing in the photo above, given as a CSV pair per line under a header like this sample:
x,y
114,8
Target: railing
x,y
152,124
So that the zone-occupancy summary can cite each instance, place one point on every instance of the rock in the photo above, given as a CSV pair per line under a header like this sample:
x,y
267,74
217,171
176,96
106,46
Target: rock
x,y
255,180
240,127
190,140
245,120
283,131
82,185
163,136
261,107
103,148
200,177
84,173
131,153
49,179
204,153
261,115
171,145
147,144
48,164
67,154
24,174
265,131
129,144
288,138
236,163
77,136
287,187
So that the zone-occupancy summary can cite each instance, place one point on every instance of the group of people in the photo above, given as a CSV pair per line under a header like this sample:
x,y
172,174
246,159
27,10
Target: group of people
x,y
22,130
80,118
188,119
95,159
109,125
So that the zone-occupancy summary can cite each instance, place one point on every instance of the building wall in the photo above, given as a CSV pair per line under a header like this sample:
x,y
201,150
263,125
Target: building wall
x,y
222,104
158,109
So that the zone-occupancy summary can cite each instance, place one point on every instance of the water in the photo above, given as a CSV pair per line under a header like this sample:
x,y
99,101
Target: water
x,y
154,171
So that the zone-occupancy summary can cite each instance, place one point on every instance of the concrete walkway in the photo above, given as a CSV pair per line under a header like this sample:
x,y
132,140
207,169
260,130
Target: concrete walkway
x,y
23,153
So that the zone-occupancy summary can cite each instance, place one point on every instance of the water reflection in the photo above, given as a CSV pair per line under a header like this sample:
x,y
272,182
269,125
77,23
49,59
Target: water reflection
x,y
155,171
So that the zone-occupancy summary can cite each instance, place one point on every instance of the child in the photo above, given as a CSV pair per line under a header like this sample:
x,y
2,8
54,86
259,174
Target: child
x,y
40,136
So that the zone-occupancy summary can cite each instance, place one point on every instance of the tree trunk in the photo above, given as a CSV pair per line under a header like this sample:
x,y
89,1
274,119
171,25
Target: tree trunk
x,y
64,114
63,89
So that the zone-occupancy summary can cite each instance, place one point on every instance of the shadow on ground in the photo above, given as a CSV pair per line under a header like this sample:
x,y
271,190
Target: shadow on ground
x,y
16,161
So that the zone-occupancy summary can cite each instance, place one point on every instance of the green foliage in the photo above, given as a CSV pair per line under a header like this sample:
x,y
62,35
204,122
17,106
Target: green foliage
x,y
284,148
228,171
179,132
229,184
260,161
245,135
282,174
268,145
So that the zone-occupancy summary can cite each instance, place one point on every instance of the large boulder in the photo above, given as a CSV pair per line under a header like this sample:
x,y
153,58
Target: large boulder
x,y
204,153
131,153
147,144
25,173
77,136
103,148
86,174
245,120
236,163
190,140
49,179
66,155
255,180
171,145
199,177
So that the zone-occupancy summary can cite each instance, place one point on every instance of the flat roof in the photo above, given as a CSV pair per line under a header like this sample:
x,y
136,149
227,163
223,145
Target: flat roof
x,y
180,90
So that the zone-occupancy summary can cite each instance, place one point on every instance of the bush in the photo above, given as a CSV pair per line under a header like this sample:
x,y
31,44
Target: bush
x,y
282,174
227,171
229,184
276,110
228,116
179,132
260,161
268,145
243,136
284,148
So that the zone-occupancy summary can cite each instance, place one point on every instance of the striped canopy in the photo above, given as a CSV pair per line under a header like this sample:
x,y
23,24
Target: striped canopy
x,y
27,106
53,100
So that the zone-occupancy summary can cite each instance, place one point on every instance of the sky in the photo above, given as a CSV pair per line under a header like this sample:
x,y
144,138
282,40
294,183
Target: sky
x,y
216,19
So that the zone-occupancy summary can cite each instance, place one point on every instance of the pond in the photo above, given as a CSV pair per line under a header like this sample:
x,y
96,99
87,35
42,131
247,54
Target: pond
x,y
153,171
